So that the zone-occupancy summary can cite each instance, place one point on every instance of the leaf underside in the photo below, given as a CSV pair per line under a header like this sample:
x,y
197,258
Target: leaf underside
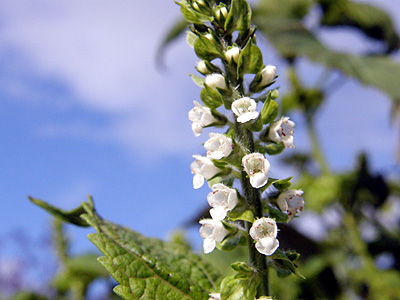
x,y
148,268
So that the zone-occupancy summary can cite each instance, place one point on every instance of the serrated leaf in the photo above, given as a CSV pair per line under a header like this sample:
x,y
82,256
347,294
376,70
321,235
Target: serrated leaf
x,y
148,268
250,59
72,216
239,16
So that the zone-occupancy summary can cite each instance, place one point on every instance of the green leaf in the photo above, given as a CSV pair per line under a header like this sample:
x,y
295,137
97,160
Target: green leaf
x,y
274,149
283,184
241,212
72,216
239,16
270,110
206,49
231,242
276,214
236,287
250,59
211,97
148,268
284,265
199,81
191,15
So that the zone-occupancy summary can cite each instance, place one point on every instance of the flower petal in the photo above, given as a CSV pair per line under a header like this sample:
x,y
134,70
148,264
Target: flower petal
x,y
198,181
267,245
208,245
218,213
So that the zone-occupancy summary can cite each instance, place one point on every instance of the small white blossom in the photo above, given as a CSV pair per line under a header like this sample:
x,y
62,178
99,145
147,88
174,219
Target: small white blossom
x,y
245,109
215,80
257,167
212,232
291,202
222,199
200,116
203,168
215,296
232,54
218,146
268,75
264,231
282,131
202,68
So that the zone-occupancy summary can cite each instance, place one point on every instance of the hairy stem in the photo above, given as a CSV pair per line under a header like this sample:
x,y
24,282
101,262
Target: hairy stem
x,y
253,198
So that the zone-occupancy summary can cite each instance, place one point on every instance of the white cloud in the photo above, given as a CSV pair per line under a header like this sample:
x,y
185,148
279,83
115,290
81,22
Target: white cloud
x,y
103,51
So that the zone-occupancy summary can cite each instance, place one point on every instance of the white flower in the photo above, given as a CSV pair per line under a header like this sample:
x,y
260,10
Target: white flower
x,y
291,202
245,109
282,131
215,296
232,54
257,167
215,80
218,146
268,75
212,232
222,199
200,116
264,231
203,168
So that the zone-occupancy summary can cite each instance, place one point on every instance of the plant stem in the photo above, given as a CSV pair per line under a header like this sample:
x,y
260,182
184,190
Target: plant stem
x,y
316,148
253,198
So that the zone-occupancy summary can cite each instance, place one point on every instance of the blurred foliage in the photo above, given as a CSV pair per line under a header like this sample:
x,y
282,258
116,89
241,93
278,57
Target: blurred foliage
x,y
358,254
76,273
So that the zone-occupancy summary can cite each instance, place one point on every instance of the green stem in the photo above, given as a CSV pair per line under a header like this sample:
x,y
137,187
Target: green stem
x,y
316,148
253,198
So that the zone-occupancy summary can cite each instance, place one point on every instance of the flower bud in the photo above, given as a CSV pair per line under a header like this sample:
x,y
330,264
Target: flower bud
x,y
232,54
268,75
202,67
199,5
220,14
215,81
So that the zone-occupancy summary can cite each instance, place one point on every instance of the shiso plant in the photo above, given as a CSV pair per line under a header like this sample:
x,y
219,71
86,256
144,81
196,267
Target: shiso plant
x,y
238,95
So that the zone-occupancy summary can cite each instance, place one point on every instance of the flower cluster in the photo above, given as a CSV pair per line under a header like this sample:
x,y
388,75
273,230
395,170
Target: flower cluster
x,y
245,202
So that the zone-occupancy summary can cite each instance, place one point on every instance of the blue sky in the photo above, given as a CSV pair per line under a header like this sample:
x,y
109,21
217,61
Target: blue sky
x,y
83,110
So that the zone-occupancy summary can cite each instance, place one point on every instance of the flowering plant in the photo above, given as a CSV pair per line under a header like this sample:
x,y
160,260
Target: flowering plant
x,y
244,198
247,204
